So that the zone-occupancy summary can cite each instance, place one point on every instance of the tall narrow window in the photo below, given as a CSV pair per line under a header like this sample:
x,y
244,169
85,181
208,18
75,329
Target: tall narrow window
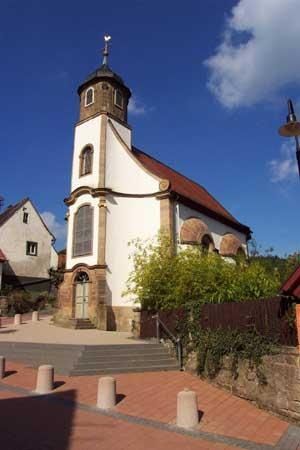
x,y
118,98
89,96
86,161
83,231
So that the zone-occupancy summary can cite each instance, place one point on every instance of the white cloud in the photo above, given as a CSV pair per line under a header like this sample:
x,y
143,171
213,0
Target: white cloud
x,y
285,168
59,229
136,108
258,54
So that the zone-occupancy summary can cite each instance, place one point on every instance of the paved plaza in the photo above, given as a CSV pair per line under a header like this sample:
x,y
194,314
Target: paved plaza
x,y
144,417
44,332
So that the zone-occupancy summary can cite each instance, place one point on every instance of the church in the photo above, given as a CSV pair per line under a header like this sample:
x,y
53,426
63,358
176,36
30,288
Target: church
x,y
118,194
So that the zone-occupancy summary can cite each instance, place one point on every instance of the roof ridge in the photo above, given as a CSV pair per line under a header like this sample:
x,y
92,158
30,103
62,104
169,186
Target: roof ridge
x,y
11,210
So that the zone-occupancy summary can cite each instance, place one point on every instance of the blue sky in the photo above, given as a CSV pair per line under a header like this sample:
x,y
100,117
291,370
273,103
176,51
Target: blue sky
x,y
209,79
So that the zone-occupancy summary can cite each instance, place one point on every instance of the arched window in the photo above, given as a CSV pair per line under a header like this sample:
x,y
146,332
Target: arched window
x,y
89,96
83,231
81,277
119,99
86,161
207,244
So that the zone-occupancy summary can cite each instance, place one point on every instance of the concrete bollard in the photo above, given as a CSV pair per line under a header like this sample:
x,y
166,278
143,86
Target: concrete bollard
x,y
18,319
2,367
35,316
187,409
106,397
45,379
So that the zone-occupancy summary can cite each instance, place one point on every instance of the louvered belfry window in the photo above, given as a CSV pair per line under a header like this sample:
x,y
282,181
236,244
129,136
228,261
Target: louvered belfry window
x,y
83,231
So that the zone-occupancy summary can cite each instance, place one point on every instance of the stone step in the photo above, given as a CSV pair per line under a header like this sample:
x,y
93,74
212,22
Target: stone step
x,y
114,370
80,324
96,359
125,363
123,357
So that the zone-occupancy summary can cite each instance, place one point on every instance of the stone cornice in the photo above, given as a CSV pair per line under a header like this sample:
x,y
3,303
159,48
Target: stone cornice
x,y
98,192
96,266
106,114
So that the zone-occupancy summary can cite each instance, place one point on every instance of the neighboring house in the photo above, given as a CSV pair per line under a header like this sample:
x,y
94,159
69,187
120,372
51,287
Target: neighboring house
x,y
2,261
291,287
61,265
119,193
28,247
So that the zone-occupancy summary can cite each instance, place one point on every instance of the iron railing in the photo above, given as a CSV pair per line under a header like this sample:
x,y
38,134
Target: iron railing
x,y
176,340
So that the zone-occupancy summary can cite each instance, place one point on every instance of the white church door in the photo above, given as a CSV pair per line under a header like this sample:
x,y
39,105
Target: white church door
x,y
81,295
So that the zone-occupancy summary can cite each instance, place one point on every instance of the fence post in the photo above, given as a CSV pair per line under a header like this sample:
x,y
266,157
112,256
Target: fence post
x,y
157,329
298,324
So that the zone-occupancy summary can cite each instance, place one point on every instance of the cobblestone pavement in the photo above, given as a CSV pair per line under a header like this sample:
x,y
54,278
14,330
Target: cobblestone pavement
x,y
144,417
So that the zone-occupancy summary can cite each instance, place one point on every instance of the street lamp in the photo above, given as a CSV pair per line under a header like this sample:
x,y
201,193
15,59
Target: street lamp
x,y
292,129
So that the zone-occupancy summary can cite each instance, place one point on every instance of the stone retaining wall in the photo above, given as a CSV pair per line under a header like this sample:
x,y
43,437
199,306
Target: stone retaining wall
x,y
280,394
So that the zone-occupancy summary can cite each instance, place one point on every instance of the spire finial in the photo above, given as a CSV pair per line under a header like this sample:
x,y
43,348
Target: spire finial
x,y
107,38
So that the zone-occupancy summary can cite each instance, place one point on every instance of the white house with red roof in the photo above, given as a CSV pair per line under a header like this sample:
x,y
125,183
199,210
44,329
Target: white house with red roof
x,y
2,261
27,247
118,194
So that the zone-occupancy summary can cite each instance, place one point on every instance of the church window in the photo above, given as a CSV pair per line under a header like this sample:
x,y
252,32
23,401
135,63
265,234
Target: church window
x,y
86,161
25,217
118,98
31,248
207,244
83,231
89,96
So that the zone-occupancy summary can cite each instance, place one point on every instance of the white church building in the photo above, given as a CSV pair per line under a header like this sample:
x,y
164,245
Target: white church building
x,y
119,193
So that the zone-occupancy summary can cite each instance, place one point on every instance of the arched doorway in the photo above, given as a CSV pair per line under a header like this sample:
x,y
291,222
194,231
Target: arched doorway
x,y
81,295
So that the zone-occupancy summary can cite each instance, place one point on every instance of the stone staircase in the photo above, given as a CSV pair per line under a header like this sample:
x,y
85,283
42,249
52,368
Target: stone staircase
x,y
82,324
78,360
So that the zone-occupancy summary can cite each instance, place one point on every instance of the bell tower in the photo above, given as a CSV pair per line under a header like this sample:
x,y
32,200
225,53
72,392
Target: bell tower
x,y
103,91
84,294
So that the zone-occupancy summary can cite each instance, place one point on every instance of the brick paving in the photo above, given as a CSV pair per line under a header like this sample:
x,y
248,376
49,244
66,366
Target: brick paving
x,y
147,401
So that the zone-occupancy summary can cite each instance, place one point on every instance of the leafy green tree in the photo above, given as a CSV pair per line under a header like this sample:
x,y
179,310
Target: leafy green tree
x,y
163,279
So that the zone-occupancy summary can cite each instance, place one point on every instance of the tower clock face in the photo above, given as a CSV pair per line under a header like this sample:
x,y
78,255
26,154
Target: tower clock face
x,y
104,86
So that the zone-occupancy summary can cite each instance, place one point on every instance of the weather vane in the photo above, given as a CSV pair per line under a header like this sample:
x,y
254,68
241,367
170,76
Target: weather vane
x,y
107,38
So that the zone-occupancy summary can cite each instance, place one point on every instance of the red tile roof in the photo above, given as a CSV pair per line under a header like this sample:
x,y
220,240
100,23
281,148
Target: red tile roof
x,y
292,285
190,193
2,256
10,211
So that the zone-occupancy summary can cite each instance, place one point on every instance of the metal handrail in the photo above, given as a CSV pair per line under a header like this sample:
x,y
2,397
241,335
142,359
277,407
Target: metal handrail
x,y
176,340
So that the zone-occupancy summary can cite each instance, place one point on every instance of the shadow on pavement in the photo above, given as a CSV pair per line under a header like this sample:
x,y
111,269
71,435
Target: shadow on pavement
x,y
36,423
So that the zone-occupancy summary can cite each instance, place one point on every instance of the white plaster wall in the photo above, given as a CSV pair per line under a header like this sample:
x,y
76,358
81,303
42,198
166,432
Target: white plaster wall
x,y
13,237
124,132
86,133
123,173
53,258
88,259
127,219
217,229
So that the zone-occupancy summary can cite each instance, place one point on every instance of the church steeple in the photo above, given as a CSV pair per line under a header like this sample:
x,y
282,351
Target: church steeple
x,y
104,91
107,38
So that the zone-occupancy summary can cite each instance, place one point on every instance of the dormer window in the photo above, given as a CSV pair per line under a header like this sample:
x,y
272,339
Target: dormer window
x,y
86,161
89,96
119,101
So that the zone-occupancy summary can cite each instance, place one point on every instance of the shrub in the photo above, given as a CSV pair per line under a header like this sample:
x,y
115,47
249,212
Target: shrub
x,y
163,279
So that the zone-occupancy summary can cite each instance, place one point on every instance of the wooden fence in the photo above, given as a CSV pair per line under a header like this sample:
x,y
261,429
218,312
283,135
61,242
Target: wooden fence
x,y
273,317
